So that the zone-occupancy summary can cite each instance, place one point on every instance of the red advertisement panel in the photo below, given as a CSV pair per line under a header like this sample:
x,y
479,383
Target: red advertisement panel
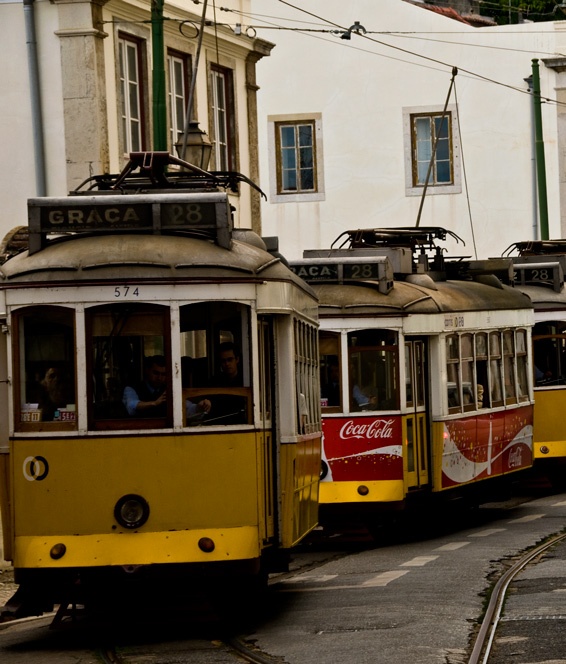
x,y
487,445
363,448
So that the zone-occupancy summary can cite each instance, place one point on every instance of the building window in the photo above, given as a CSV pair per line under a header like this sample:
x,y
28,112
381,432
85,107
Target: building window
x,y
432,136
223,119
178,66
131,93
431,142
295,158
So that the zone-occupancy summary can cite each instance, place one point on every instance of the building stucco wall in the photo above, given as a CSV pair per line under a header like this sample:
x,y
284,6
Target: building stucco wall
x,y
361,87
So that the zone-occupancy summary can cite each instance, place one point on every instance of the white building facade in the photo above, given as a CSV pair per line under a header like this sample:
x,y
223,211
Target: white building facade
x,y
347,125
78,94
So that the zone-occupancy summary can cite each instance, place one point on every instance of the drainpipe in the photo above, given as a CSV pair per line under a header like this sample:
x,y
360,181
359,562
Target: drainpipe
x,y
534,195
539,149
158,54
35,99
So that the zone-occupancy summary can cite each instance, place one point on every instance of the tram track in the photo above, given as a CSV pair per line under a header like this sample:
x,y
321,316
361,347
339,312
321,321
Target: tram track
x,y
488,628
234,646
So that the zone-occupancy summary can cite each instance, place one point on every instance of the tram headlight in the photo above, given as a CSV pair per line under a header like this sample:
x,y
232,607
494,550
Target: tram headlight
x,y
58,551
544,449
363,490
206,544
131,511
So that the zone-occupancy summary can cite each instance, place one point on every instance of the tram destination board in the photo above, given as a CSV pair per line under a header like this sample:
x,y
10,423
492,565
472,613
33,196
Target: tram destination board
x,y
336,271
108,214
342,269
550,274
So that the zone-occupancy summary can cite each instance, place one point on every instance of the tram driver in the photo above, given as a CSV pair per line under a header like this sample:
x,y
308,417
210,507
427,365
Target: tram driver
x,y
149,397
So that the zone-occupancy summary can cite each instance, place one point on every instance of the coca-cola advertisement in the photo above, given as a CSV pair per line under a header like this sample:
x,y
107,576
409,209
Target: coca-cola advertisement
x,y
487,446
363,448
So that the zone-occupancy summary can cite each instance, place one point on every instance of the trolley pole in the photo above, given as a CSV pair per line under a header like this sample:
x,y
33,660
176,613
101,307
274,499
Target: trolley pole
x,y
539,152
158,55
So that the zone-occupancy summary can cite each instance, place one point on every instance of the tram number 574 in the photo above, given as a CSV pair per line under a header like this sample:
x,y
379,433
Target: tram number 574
x,y
124,291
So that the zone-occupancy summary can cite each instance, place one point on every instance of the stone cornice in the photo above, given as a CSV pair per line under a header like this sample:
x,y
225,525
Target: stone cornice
x,y
558,64
81,32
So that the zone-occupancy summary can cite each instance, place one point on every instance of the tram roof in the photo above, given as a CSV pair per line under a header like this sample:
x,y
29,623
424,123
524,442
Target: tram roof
x,y
146,257
543,297
364,298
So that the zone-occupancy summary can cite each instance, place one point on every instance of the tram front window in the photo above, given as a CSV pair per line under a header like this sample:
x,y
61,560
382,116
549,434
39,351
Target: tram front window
x,y
330,383
373,372
129,365
215,361
549,350
45,372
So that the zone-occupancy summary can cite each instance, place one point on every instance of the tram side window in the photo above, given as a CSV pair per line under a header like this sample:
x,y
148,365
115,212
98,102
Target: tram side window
x,y
509,366
330,372
549,352
469,390
216,363
482,371
521,360
307,377
45,368
495,380
478,362
373,370
453,373
130,367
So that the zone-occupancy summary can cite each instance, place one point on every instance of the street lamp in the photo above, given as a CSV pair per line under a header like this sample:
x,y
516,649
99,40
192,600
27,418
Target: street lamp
x,y
197,147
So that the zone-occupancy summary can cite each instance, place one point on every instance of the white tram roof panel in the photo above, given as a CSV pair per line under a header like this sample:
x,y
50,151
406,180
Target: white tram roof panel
x,y
411,298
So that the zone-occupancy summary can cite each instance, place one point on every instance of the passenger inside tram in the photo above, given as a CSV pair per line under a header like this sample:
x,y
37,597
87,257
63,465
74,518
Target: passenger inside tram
x,y
55,392
148,398
330,391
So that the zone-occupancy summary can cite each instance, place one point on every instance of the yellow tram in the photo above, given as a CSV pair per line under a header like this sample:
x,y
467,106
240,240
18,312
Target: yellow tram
x,y
141,286
426,385
540,267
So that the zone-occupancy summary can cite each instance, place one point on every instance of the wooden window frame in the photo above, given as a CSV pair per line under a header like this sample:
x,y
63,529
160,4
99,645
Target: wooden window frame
x,y
296,124
434,120
125,41
176,131
224,150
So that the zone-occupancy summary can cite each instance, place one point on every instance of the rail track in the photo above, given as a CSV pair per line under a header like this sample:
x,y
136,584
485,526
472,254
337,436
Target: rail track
x,y
486,634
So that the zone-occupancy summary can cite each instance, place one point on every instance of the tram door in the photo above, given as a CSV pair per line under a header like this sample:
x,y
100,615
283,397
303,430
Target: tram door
x,y
416,434
267,426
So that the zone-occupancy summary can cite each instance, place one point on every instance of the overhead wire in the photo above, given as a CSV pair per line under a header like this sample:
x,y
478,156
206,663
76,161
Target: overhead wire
x,y
339,29
424,57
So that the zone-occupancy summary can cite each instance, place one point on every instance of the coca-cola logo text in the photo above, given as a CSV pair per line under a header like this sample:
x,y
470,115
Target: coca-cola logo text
x,y
375,429
515,458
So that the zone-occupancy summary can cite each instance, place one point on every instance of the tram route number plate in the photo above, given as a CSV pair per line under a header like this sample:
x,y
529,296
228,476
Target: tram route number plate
x,y
335,271
544,275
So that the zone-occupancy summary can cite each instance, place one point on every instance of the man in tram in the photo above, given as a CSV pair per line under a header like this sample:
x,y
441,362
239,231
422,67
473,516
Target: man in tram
x,y
230,375
149,397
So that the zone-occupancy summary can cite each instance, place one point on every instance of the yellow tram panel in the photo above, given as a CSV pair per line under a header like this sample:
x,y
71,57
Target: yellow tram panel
x,y
300,469
190,482
548,427
382,491
136,548
6,506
